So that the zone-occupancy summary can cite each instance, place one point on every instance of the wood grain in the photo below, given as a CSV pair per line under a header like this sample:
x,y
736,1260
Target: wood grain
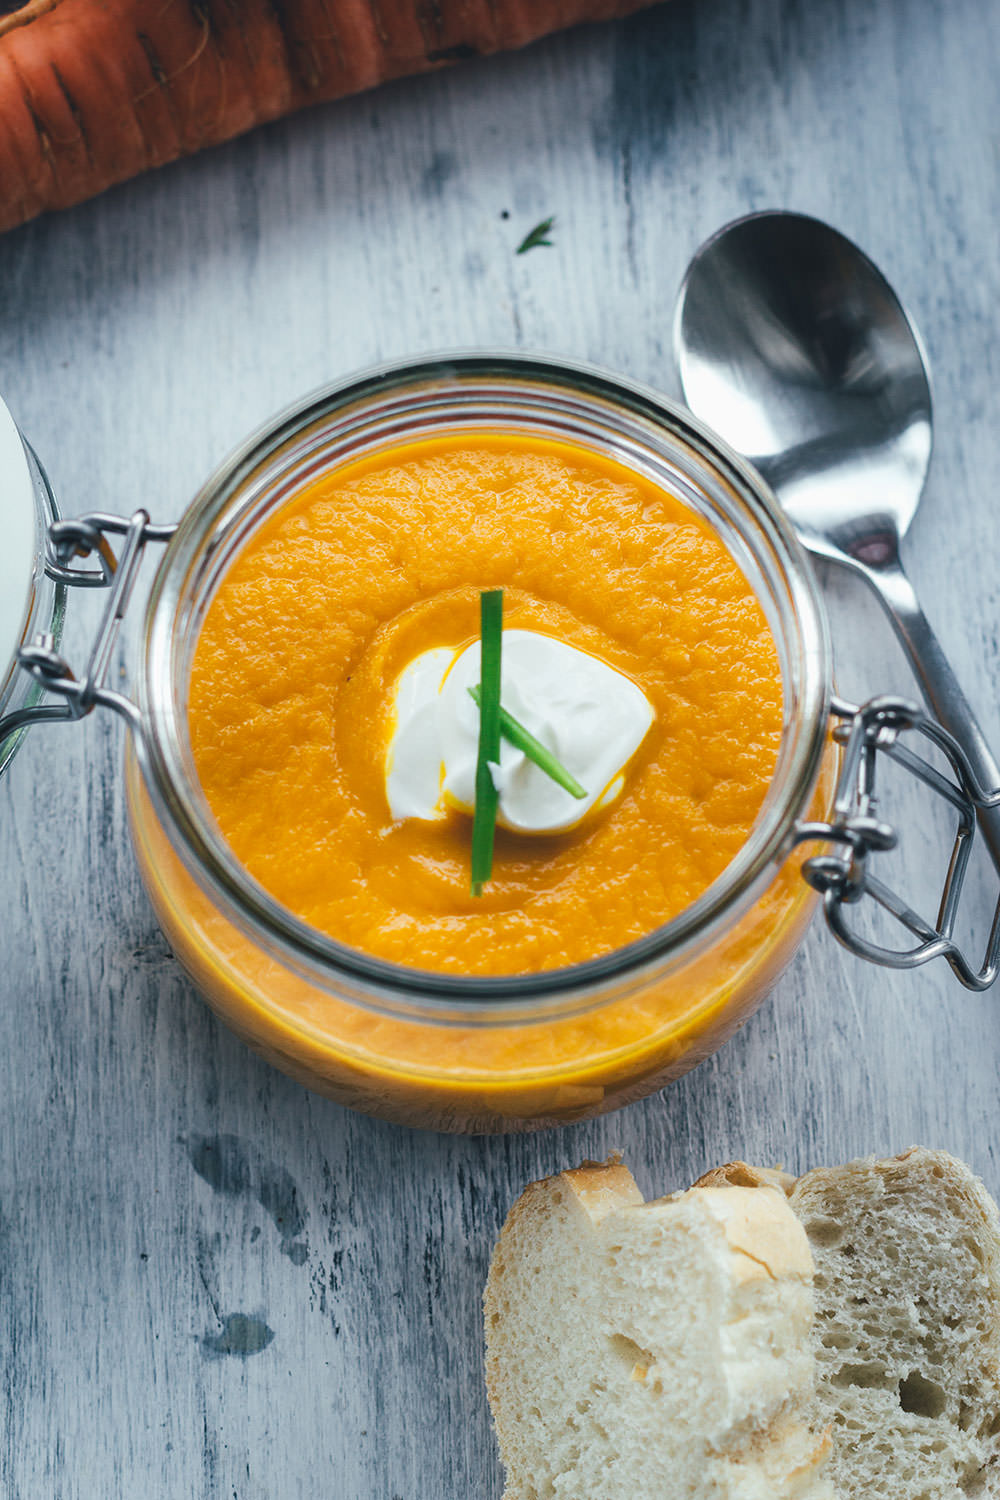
x,y
212,1283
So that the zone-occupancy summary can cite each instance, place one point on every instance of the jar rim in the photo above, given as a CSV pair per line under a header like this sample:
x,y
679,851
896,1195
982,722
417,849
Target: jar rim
x,y
215,512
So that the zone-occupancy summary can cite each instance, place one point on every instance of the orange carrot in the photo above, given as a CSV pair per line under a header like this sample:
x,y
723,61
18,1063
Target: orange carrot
x,y
94,91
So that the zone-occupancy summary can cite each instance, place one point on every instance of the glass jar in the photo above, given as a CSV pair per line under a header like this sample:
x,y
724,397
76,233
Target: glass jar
x,y
436,1050
31,602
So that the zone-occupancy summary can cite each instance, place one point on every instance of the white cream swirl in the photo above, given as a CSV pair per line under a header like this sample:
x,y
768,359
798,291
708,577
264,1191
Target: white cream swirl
x,y
590,716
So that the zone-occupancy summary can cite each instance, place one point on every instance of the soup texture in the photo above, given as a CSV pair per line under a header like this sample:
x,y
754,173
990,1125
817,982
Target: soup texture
x,y
291,698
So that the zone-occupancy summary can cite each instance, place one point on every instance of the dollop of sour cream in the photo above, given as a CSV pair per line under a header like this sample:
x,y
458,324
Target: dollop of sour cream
x,y
590,716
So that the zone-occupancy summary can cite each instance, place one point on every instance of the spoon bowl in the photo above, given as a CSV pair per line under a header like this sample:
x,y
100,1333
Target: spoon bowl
x,y
792,345
796,349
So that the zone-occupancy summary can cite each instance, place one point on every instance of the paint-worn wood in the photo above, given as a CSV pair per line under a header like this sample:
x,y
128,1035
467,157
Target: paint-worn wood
x,y
212,1283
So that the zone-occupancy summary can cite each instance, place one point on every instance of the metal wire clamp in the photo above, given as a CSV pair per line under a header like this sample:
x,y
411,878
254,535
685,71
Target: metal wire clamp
x,y
843,877
88,536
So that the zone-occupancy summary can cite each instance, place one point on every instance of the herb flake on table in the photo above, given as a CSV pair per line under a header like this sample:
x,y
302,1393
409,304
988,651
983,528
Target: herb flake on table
x,y
537,236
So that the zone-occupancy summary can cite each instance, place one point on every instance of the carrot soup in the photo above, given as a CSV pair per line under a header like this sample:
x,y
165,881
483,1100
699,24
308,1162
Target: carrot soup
x,y
291,699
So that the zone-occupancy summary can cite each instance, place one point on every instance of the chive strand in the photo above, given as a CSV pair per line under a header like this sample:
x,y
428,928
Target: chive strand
x,y
485,817
522,739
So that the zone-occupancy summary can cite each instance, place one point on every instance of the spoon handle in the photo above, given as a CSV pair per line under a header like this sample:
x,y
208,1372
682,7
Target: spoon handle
x,y
940,686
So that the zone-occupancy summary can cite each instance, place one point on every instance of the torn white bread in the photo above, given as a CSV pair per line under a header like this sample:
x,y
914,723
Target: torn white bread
x,y
908,1325
652,1349
907,1330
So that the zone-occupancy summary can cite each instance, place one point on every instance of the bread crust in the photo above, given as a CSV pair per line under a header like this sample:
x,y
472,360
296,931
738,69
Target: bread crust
x,y
760,1231
740,1174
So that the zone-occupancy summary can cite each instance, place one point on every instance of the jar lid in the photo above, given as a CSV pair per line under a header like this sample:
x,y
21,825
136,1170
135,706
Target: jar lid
x,y
17,540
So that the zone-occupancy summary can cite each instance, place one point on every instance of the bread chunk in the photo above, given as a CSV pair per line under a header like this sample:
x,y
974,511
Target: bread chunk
x,y
907,1332
652,1349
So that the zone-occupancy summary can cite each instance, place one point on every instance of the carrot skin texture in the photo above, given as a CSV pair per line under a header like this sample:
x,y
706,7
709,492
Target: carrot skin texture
x,y
93,92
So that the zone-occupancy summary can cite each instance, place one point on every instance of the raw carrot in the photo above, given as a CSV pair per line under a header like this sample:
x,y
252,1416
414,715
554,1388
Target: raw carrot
x,y
94,91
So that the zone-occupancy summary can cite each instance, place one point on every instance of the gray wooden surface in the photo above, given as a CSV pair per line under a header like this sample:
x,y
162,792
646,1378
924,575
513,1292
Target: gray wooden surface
x,y
211,1282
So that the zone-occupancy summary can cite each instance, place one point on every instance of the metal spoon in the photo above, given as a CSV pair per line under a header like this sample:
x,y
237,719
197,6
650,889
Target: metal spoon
x,y
794,348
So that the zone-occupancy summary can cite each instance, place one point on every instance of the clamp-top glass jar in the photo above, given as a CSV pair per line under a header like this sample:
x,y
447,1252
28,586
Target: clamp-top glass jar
x,y
444,1050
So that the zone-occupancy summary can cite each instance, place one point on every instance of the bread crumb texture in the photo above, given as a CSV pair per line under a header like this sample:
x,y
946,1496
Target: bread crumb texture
x,y
907,1335
652,1349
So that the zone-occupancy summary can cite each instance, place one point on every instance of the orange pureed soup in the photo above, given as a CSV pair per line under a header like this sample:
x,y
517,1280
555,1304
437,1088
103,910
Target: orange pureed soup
x,y
292,693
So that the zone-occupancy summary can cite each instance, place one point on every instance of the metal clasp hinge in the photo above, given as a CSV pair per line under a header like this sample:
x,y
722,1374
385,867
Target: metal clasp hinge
x,y
89,536
843,877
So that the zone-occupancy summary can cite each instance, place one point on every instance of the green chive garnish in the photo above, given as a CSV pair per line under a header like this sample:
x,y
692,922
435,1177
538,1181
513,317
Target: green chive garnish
x,y
522,739
537,236
485,819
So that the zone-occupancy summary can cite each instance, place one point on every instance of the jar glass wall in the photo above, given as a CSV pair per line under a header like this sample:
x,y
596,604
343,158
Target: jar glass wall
x,y
442,1050
43,615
